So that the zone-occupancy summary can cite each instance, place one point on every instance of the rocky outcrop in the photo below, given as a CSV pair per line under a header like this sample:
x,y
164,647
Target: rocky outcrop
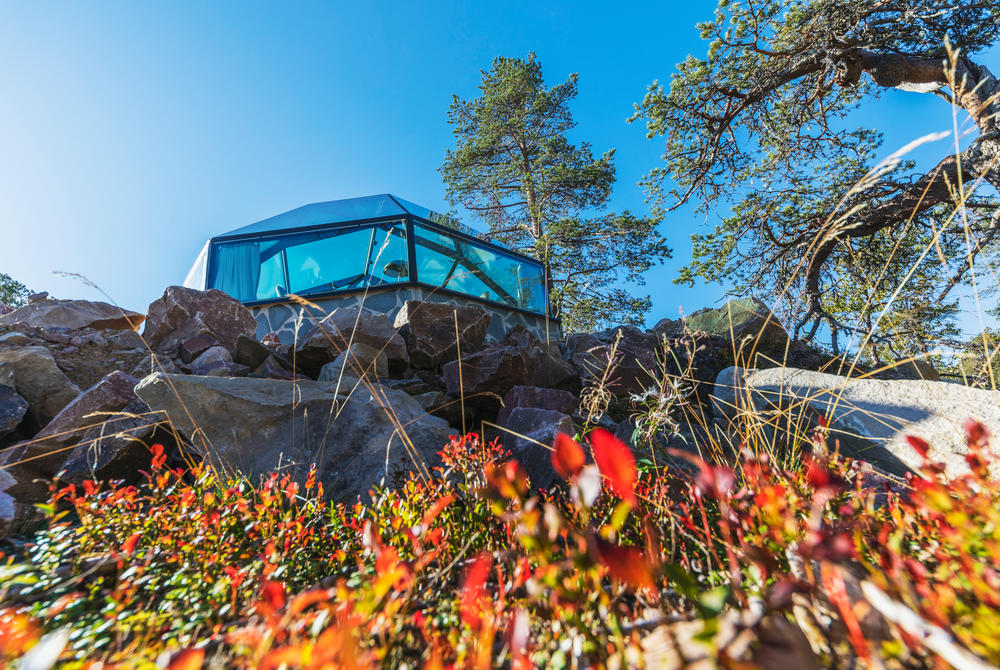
x,y
739,319
84,432
183,314
631,352
529,435
255,426
539,398
12,409
432,331
73,315
519,359
871,418
325,340
40,381
7,502
357,361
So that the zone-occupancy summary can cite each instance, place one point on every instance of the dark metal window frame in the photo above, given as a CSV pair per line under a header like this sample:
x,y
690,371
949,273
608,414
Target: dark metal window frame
x,y
408,220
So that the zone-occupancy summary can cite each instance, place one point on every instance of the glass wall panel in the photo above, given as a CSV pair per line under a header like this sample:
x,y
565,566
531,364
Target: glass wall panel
x,y
473,269
311,263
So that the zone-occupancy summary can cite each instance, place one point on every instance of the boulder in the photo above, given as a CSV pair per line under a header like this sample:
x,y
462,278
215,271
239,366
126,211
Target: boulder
x,y
255,426
12,409
359,360
253,354
539,398
7,375
519,359
7,510
527,427
217,362
183,313
120,447
15,338
193,347
742,318
72,315
634,358
489,373
429,330
442,405
40,381
42,457
668,328
870,418
326,339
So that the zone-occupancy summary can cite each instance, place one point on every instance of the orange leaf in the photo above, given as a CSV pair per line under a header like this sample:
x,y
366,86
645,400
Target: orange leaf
x,y
626,564
616,463
128,546
187,659
567,456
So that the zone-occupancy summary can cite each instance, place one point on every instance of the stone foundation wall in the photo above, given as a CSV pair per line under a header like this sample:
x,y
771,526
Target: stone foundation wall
x,y
282,318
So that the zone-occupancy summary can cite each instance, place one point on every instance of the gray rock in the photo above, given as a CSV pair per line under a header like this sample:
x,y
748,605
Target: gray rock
x,y
7,375
73,314
870,417
258,426
14,338
528,426
325,340
7,510
251,353
12,409
40,381
431,333
359,360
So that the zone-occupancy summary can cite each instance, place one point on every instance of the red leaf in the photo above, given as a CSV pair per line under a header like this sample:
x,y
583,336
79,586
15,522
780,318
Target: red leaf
x,y
976,433
567,456
273,593
626,564
187,659
616,463
473,591
919,445
128,546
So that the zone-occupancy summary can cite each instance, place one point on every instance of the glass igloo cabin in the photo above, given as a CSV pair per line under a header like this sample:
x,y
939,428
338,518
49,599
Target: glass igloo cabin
x,y
376,251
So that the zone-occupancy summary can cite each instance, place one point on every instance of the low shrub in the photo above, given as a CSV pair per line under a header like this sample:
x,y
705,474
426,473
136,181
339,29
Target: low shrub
x,y
816,563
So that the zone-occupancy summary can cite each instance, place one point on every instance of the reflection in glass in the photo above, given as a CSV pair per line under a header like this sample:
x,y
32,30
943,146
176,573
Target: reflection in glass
x,y
476,270
311,263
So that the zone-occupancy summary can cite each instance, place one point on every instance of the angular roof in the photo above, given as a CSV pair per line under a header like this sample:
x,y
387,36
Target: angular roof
x,y
348,209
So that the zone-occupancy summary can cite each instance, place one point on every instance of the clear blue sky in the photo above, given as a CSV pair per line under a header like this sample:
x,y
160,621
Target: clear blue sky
x,y
131,132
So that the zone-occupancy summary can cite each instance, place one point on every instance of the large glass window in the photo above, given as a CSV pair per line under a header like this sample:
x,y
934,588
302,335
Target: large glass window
x,y
473,269
309,263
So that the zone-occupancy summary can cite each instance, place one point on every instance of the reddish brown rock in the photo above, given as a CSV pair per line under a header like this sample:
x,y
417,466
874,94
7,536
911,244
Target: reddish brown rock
x,y
632,356
42,457
519,359
539,398
429,329
193,347
183,313
72,315
536,426
324,341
